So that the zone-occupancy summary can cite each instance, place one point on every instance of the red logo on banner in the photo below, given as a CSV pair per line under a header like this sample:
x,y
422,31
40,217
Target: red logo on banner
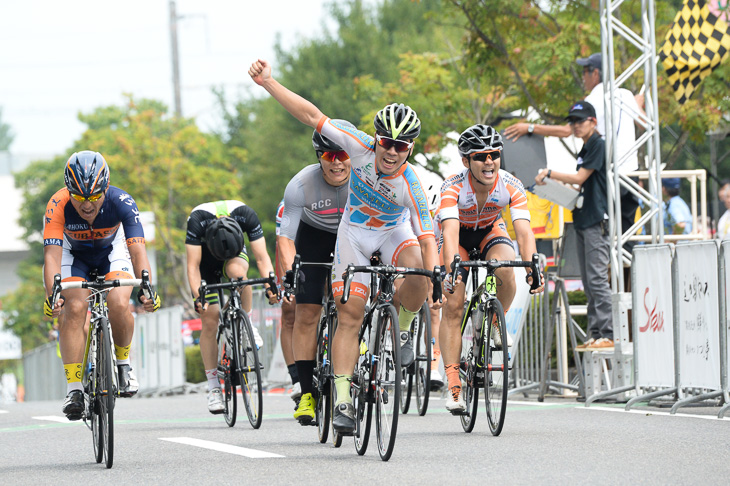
x,y
655,320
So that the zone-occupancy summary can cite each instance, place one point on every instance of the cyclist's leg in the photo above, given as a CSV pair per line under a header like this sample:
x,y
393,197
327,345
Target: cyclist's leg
x,y
313,245
72,334
450,339
208,343
402,249
353,246
287,349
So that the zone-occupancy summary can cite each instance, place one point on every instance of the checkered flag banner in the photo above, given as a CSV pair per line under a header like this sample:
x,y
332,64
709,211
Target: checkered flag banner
x,y
695,45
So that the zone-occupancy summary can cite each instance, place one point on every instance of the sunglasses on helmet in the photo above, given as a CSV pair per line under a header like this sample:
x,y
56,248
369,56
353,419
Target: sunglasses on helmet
x,y
331,156
92,198
387,143
483,156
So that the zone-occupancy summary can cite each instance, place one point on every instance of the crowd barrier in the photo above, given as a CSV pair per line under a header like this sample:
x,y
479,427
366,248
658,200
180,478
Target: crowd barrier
x,y
680,319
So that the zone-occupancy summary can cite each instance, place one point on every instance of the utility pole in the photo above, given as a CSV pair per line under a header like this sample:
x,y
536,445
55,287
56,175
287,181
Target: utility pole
x,y
175,59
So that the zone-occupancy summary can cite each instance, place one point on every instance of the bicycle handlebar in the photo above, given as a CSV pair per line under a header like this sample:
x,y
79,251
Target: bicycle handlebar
x,y
100,284
390,270
296,268
235,283
492,265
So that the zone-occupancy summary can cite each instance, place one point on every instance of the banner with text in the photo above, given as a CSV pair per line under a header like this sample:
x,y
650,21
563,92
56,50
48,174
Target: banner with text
x,y
651,281
697,320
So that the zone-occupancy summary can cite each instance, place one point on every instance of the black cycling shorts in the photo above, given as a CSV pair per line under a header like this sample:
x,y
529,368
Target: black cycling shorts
x,y
314,245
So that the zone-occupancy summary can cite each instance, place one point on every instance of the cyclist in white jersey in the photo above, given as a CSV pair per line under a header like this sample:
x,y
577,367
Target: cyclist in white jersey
x,y
387,210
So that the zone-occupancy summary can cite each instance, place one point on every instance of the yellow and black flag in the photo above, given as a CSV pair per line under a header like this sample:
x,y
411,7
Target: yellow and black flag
x,y
695,45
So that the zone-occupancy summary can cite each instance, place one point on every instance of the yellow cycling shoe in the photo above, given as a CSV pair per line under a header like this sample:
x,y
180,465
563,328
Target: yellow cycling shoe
x,y
305,410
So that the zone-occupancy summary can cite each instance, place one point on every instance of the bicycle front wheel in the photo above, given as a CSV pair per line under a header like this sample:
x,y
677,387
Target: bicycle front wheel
x,y
422,333
362,395
468,371
387,380
496,364
226,377
104,395
336,436
249,371
321,380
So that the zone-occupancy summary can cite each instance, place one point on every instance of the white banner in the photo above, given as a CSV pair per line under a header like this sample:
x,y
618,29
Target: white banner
x,y
653,315
696,286
157,352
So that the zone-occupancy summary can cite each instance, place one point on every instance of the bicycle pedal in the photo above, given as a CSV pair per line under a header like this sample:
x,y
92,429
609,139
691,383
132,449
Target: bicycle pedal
x,y
459,413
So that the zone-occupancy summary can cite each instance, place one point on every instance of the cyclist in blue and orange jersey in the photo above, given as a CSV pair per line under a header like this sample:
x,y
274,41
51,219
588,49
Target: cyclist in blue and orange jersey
x,y
287,315
471,203
314,203
386,210
92,227
215,250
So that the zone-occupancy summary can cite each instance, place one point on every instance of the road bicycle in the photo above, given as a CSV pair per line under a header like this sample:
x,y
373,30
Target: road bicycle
x,y
419,373
100,376
323,377
377,375
238,357
484,349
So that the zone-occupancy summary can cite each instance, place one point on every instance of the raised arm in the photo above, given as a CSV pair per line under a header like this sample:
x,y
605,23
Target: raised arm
x,y
517,130
303,110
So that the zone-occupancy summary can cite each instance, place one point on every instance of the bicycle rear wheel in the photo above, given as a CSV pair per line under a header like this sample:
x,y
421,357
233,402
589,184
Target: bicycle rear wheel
x,y
249,371
225,377
321,381
496,364
468,369
422,333
104,392
387,380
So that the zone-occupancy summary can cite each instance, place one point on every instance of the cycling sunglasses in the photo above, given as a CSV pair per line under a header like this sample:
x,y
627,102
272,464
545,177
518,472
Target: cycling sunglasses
x,y
92,198
387,143
483,156
331,156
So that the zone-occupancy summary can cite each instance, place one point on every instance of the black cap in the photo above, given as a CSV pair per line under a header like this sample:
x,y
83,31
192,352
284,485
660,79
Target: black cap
x,y
594,61
581,111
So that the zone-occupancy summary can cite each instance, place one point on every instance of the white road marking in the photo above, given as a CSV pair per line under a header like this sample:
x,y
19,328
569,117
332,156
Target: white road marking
x,y
4,411
217,446
650,412
537,404
56,418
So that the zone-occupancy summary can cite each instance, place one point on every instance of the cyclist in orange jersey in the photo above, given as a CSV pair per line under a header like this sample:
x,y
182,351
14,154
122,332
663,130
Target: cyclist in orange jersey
x,y
471,204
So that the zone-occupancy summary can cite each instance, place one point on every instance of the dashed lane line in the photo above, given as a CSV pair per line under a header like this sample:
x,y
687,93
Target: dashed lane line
x,y
220,447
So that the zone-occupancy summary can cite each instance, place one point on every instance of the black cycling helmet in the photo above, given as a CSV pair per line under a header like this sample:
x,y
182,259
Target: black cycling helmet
x,y
86,173
398,121
324,144
224,238
479,138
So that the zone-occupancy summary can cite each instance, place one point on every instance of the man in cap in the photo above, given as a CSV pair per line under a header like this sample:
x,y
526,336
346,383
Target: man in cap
x,y
625,132
590,220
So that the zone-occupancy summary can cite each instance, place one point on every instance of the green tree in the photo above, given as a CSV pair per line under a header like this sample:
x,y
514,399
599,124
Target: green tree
x,y
334,71
6,136
165,163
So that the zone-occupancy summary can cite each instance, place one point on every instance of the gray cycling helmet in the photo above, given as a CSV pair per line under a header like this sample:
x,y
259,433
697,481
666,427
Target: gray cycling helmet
x,y
479,138
398,121
324,144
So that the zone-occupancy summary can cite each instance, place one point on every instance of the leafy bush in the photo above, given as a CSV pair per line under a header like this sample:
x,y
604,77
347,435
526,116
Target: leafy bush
x,y
194,369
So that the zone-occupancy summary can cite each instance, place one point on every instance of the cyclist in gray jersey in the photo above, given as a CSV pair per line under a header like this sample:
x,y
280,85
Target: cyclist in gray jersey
x,y
314,202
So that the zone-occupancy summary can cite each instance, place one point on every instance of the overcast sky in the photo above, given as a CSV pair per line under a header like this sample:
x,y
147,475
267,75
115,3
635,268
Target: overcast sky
x,y
61,57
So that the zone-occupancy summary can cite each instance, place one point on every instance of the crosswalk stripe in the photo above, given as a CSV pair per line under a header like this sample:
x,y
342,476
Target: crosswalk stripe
x,y
217,446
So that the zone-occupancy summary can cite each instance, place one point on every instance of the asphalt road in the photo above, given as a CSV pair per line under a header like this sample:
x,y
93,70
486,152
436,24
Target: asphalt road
x,y
157,441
